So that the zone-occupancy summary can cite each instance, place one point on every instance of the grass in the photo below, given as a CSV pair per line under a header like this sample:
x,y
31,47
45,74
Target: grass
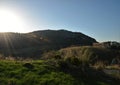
x,y
69,66
16,73
43,72
89,54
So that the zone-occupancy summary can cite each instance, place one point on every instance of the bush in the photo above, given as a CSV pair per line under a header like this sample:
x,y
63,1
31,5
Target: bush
x,y
51,55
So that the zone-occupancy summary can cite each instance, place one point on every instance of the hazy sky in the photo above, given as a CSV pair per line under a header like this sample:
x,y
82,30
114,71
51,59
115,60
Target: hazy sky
x,y
99,19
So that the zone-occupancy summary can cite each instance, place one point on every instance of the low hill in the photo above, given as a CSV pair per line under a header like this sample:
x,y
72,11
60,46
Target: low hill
x,y
34,43
88,54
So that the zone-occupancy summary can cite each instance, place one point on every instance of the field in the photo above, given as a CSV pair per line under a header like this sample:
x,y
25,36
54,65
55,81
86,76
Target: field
x,y
69,66
50,72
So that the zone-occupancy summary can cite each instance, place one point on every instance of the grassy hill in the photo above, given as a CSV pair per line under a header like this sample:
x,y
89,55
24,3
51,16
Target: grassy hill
x,y
90,54
34,43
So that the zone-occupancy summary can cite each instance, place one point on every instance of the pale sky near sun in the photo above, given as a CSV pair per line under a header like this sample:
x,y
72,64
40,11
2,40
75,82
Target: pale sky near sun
x,y
99,19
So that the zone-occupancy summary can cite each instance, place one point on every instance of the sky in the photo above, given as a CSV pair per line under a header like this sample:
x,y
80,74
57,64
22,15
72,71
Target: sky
x,y
99,19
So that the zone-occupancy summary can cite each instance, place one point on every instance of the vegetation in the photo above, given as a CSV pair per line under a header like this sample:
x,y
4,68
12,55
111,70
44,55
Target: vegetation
x,y
34,63
69,66
32,73
50,72
86,55
35,43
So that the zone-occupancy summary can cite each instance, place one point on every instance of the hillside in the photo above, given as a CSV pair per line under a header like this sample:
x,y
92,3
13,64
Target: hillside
x,y
34,43
94,54
89,54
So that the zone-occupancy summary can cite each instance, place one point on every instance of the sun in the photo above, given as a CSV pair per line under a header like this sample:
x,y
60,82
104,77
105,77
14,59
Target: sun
x,y
11,22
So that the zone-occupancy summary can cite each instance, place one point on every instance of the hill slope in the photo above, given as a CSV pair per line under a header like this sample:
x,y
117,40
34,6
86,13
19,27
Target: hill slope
x,y
34,43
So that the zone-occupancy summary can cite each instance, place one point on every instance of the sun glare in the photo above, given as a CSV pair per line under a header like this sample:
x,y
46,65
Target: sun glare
x,y
11,22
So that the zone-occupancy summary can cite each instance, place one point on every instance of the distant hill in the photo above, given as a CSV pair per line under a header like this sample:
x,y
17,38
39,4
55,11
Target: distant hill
x,y
34,43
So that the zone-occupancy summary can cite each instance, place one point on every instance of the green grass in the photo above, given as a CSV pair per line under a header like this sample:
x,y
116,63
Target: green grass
x,y
47,72
16,73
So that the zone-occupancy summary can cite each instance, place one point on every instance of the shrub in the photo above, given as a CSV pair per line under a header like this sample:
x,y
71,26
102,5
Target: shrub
x,y
51,55
99,65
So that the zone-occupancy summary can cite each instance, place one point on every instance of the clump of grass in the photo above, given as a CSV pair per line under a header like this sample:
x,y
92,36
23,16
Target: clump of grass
x,y
99,65
116,67
51,55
